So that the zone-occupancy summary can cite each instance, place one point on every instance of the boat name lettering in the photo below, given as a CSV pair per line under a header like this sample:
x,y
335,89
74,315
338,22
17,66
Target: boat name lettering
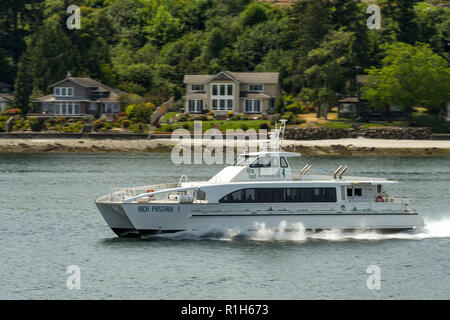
x,y
156,209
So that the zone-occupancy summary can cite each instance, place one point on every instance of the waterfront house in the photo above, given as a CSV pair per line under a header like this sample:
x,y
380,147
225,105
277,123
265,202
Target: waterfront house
x,y
356,107
6,96
6,99
75,96
239,92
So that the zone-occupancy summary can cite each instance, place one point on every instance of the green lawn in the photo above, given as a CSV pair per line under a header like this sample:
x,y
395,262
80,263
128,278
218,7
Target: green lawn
x,y
168,116
386,124
222,125
335,125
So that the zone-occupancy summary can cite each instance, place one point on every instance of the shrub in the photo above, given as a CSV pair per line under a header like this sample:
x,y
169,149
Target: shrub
x,y
122,114
107,125
230,114
264,126
182,118
36,124
297,108
244,127
186,126
203,118
13,111
98,124
289,116
299,121
211,113
125,124
427,120
140,112
443,127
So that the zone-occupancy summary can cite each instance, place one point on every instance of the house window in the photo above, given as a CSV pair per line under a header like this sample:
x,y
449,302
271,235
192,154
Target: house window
x,y
197,88
195,106
347,108
92,106
222,97
63,92
110,108
255,87
67,108
222,104
230,90
253,106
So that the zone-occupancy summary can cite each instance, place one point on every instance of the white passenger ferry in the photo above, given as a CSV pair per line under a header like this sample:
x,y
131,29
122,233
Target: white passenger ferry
x,y
260,188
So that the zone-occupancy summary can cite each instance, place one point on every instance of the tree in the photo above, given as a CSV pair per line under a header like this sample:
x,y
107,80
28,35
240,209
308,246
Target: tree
x,y
255,13
329,66
410,76
23,86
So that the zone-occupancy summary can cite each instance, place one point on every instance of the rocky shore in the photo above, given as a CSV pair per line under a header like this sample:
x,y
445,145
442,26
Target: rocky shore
x,y
374,133
348,146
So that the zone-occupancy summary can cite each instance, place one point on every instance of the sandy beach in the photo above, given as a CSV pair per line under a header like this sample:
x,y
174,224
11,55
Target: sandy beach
x,y
312,147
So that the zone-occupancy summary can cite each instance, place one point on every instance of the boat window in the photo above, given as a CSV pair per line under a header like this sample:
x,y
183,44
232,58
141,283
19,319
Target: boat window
x,y
278,195
200,195
358,192
379,188
264,195
250,195
262,162
244,161
349,192
283,162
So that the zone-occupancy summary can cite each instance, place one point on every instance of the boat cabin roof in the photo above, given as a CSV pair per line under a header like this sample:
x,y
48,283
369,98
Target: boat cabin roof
x,y
270,154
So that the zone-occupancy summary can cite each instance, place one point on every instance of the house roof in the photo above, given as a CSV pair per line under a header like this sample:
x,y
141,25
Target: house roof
x,y
255,95
242,77
361,78
4,85
88,83
6,97
349,100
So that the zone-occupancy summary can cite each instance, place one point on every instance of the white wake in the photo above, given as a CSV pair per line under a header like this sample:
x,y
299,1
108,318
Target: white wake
x,y
296,232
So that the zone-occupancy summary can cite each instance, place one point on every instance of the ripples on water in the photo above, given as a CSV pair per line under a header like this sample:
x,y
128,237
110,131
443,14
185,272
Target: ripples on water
x,y
49,221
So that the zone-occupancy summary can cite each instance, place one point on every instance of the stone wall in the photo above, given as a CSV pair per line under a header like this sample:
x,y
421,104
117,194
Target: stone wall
x,y
373,133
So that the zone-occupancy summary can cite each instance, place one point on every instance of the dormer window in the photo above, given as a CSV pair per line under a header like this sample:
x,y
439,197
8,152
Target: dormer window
x,y
63,92
255,87
197,88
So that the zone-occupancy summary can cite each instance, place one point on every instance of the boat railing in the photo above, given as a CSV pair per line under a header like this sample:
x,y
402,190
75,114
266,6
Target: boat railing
x,y
119,194
394,204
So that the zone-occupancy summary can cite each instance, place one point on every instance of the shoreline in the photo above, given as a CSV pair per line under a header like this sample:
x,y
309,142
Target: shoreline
x,y
351,146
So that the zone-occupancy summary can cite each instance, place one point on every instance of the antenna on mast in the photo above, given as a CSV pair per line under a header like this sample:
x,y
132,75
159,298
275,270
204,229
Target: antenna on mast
x,y
282,128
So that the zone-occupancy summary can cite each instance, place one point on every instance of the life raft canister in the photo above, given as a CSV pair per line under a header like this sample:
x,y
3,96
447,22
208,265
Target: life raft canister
x,y
379,199
148,191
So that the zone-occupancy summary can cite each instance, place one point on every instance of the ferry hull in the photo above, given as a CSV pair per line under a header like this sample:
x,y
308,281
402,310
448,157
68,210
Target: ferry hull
x,y
117,220
153,219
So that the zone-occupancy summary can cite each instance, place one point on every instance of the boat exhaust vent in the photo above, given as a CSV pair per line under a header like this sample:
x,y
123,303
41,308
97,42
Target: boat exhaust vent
x,y
305,169
339,172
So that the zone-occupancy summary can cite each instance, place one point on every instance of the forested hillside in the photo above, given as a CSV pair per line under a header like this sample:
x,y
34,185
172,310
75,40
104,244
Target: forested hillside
x,y
146,46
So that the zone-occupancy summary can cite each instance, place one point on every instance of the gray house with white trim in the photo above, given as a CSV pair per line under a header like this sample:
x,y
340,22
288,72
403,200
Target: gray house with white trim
x,y
76,96
239,92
